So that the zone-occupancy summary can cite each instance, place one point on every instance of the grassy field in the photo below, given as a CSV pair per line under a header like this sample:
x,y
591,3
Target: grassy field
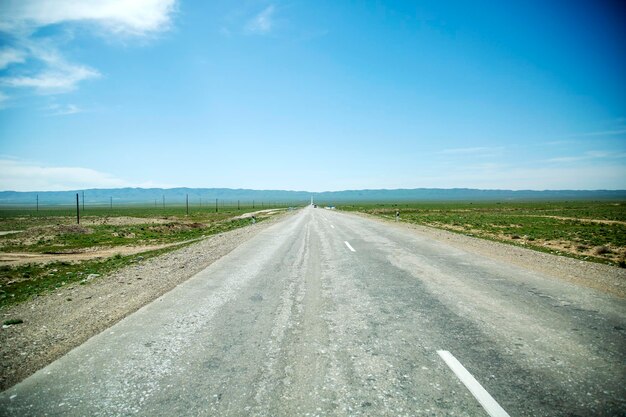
x,y
63,238
23,218
115,238
587,230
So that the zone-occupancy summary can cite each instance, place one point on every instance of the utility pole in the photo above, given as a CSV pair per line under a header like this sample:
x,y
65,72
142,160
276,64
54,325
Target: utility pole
x,y
237,205
216,205
77,210
187,202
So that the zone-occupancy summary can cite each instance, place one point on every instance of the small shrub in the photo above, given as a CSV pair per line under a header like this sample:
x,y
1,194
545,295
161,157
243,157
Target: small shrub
x,y
602,250
11,322
515,237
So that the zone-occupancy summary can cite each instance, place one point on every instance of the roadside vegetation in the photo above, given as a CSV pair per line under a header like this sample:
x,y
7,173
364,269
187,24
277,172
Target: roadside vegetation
x,y
589,230
104,241
22,282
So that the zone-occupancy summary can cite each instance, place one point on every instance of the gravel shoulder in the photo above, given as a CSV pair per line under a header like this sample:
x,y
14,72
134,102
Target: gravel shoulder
x,y
62,320
604,278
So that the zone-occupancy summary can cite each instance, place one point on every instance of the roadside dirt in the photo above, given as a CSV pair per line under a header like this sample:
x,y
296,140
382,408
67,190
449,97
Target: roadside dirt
x,y
270,212
57,322
22,258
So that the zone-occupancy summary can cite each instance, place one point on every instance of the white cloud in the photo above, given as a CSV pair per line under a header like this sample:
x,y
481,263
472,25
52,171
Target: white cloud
x,y
57,80
18,175
58,76
10,56
561,159
600,154
587,156
64,110
464,151
614,132
262,22
129,17
525,178
557,142
576,178
475,152
20,19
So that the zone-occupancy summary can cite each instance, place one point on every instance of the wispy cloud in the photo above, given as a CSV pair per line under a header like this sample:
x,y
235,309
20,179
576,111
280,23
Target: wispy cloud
x,y
614,132
10,56
19,175
587,156
555,143
480,151
64,110
561,159
263,22
36,62
134,18
55,81
58,76
527,178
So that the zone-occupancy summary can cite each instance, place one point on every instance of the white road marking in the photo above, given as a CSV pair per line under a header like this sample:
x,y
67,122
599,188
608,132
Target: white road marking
x,y
349,247
489,404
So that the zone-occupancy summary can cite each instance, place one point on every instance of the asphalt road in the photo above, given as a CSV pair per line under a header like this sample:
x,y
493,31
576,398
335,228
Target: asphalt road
x,y
327,313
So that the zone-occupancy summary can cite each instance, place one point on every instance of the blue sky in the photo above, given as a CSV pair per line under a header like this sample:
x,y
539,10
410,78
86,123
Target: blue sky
x,y
314,96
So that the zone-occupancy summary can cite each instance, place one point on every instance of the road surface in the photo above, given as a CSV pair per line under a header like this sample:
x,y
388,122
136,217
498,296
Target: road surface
x,y
332,314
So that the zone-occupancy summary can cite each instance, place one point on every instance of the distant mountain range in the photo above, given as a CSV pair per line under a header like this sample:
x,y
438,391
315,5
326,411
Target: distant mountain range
x,y
177,196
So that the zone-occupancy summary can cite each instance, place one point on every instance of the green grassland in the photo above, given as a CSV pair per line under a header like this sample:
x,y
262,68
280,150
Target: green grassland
x,y
587,230
71,238
23,218
54,231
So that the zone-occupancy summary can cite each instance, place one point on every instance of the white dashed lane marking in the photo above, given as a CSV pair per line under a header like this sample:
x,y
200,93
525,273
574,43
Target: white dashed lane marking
x,y
484,398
